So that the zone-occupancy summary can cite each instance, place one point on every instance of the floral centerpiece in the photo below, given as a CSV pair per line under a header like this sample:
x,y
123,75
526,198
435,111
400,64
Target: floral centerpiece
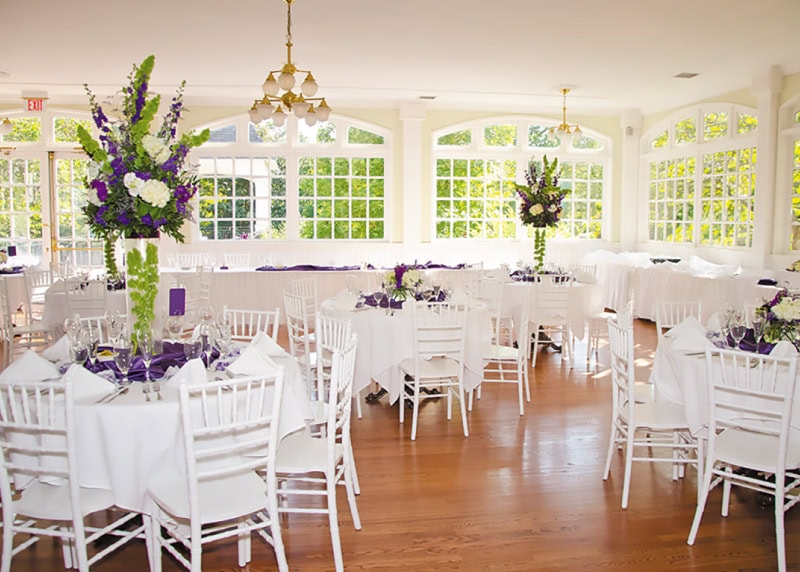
x,y
138,183
402,281
781,317
3,257
794,266
540,203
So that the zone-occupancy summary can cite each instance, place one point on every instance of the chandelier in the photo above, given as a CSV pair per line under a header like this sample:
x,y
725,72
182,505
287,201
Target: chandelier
x,y
565,129
279,100
6,126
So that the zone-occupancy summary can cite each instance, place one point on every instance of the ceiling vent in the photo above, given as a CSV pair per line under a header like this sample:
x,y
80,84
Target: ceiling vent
x,y
686,75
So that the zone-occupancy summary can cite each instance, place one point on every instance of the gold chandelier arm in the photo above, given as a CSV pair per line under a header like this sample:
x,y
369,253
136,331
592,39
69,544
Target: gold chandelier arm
x,y
289,31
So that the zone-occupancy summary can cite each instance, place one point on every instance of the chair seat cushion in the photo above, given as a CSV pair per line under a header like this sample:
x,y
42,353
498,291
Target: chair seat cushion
x,y
505,353
302,453
754,450
660,415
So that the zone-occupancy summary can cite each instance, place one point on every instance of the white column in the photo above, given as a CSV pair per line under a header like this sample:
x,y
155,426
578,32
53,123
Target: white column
x,y
412,115
630,196
771,224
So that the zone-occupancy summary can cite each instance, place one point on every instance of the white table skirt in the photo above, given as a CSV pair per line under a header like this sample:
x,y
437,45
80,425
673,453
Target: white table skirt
x,y
680,377
263,290
122,444
385,340
55,305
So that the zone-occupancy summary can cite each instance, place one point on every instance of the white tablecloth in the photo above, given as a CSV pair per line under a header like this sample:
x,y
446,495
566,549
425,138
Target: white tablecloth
x,y
123,443
263,290
385,340
17,289
680,377
55,305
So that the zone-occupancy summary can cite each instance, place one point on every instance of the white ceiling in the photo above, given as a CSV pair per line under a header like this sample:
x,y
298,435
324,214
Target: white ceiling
x,y
504,55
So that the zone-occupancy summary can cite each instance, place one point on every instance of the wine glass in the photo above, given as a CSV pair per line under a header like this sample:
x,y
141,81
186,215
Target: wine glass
x,y
758,328
114,324
78,350
72,325
737,331
146,350
174,327
90,339
123,356
192,349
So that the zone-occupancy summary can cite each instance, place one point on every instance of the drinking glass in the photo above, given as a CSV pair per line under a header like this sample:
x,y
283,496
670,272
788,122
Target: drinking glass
x,y
738,329
758,328
174,327
114,324
72,326
192,349
146,349
78,351
90,339
123,357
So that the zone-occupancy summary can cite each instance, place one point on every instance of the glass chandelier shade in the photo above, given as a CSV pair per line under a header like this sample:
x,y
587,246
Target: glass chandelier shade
x,y
565,129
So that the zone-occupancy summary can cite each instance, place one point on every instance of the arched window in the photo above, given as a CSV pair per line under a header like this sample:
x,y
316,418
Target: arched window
x,y
477,164
789,167
701,176
327,181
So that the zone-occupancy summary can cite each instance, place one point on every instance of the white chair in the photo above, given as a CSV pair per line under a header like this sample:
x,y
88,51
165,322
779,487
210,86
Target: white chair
x,y
237,259
332,334
230,439
490,292
97,327
309,467
650,426
436,370
751,398
35,336
198,285
85,299
670,314
245,324
307,289
550,315
598,329
509,364
301,344
187,259
39,484
37,281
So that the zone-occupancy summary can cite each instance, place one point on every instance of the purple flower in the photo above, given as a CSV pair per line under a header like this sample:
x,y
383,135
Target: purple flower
x,y
101,188
160,222
98,216
123,218
147,220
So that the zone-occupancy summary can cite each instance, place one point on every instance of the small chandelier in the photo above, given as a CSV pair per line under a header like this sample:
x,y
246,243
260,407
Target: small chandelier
x,y
6,126
565,129
279,99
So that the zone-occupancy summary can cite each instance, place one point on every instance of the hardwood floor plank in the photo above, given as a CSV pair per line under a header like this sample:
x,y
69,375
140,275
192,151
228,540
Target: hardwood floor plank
x,y
519,494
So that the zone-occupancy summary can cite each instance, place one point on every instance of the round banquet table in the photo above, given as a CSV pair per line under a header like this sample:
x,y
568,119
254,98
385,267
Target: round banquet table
x,y
125,442
55,305
385,339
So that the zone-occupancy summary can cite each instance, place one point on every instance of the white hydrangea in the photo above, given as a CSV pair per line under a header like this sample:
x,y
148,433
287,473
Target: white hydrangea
x,y
411,278
155,192
92,170
133,184
156,148
787,309
91,196
536,209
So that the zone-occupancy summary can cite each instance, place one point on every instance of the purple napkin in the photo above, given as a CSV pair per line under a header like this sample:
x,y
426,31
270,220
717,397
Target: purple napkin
x,y
303,267
749,344
369,300
172,356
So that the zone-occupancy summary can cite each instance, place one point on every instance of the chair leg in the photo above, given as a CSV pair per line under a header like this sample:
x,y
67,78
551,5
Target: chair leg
x,y
415,412
463,409
333,522
701,503
779,528
351,493
520,381
357,398
611,446
351,464
626,487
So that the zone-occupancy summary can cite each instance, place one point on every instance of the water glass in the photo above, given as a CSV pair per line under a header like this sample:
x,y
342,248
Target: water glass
x,y
192,349
123,357
737,330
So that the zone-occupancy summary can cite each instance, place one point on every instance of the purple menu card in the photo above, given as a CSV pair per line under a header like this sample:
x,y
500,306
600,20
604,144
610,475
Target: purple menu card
x,y
177,301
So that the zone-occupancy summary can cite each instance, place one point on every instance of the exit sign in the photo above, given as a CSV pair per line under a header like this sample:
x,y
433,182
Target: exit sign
x,y
34,105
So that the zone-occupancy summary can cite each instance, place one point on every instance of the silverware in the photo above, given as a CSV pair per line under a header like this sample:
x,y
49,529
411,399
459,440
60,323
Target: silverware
x,y
157,389
117,394
146,390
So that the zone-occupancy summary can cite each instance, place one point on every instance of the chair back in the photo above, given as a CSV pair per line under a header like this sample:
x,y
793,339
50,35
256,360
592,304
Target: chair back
x,y
6,311
36,435
307,289
751,393
245,324
670,314
585,273
439,330
85,299
623,374
299,333
340,397
237,259
37,281
230,427
332,334
625,316
551,300
98,329
187,259
198,291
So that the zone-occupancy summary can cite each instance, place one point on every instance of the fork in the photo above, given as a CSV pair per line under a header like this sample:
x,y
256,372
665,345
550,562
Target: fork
x,y
157,389
146,389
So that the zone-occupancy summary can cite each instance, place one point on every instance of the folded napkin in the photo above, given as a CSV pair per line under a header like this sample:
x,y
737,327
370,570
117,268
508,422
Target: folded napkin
x,y
59,351
345,301
688,335
30,366
193,370
266,345
783,349
87,385
459,296
713,324
252,362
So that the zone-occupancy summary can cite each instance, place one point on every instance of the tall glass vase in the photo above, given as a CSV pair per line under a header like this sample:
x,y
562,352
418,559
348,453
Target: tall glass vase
x,y
539,248
142,278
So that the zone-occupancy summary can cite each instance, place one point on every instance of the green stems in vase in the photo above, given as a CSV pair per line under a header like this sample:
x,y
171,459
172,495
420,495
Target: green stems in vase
x,y
539,247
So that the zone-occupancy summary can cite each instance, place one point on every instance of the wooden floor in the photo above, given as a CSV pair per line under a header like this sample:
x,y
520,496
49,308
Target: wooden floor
x,y
521,493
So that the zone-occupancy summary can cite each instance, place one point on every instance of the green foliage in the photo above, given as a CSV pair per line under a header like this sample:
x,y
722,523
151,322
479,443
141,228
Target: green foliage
x,y
459,138
142,285
358,136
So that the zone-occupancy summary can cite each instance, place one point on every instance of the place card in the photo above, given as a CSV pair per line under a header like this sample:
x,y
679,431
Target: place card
x,y
12,250
177,301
